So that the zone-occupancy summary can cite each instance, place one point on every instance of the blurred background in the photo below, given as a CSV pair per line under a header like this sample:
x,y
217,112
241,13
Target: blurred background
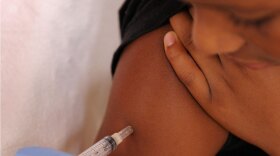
x,y
56,58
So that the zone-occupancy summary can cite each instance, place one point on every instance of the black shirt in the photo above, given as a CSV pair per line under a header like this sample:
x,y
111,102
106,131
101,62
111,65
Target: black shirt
x,y
138,17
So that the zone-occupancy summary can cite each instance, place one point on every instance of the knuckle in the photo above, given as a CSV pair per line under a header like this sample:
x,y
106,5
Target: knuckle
x,y
187,78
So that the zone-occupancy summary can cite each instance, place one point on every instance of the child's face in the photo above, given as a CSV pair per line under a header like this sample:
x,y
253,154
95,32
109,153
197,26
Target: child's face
x,y
246,31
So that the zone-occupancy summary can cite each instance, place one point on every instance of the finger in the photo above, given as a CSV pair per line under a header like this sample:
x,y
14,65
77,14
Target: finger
x,y
183,24
210,65
185,68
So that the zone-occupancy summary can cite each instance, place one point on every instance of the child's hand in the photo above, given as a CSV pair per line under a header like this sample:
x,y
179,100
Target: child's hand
x,y
244,101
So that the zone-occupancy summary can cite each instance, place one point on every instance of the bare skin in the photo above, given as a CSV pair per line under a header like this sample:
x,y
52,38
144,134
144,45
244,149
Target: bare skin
x,y
233,70
147,95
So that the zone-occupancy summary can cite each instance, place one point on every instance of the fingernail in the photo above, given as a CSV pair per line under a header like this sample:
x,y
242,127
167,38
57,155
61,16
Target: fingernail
x,y
169,39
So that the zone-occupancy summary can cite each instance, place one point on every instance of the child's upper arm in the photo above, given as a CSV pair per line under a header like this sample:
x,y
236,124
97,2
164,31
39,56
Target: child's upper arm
x,y
147,95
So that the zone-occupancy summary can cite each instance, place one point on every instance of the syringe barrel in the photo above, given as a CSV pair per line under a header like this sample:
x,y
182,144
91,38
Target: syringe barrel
x,y
102,148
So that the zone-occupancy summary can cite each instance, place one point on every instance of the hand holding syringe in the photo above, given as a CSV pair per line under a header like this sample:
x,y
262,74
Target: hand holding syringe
x,y
108,144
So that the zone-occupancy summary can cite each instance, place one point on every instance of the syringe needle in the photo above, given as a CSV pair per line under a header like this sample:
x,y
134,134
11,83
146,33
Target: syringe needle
x,y
108,144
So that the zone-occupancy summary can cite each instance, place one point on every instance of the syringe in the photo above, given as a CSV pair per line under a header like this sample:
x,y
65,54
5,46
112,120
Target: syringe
x,y
108,144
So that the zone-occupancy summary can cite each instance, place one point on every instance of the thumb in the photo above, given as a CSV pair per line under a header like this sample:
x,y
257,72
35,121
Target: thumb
x,y
185,68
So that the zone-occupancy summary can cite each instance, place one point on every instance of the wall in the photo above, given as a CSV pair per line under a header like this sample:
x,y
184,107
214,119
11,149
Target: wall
x,y
56,78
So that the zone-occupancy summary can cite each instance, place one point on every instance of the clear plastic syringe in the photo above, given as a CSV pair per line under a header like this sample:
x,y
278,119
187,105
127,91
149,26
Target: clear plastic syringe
x,y
108,144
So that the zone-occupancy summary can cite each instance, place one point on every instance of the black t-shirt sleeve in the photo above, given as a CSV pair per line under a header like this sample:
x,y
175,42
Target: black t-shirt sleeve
x,y
138,17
